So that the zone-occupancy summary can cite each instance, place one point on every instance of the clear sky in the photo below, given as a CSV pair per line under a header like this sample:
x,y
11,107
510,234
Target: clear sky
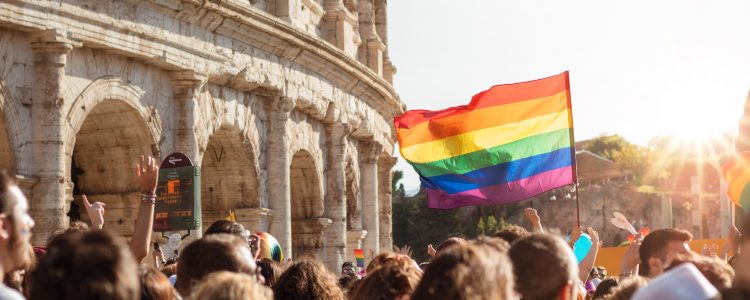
x,y
638,68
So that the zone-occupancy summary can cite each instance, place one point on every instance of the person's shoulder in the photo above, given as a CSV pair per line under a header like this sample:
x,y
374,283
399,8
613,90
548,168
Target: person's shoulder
x,y
7,293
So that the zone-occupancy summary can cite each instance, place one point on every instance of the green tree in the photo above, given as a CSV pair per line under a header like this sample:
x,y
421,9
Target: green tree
x,y
397,187
481,228
630,157
491,225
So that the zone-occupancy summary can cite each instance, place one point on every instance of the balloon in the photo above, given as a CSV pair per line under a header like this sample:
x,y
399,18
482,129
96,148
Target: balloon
x,y
581,247
269,247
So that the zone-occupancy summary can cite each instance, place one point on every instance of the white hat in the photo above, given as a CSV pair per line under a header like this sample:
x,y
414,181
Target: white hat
x,y
682,282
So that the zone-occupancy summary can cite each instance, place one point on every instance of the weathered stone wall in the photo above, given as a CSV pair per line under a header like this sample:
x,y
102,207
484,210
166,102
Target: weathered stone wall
x,y
286,105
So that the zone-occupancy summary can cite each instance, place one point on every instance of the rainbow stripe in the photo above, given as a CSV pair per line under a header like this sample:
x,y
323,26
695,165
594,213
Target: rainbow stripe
x,y
359,255
737,173
510,143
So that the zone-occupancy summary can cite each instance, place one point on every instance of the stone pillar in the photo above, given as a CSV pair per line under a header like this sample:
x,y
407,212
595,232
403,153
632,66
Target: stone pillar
x,y
278,164
385,164
308,237
368,169
254,219
339,27
375,50
335,198
50,203
186,90
288,10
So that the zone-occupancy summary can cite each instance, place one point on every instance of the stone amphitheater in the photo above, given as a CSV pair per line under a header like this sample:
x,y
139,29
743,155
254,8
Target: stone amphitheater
x,y
285,104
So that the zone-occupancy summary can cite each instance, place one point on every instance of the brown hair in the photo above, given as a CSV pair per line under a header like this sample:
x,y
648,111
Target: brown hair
x,y
270,270
451,241
155,286
655,245
385,258
88,265
716,270
226,226
512,233
75,226
169,270
388,282
307,280
627,288
605,288
470,271
543,265
216,252
7,200
225,285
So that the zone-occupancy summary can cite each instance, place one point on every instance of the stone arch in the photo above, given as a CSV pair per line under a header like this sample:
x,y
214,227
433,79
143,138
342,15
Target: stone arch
x,y
306,205
110,88
10,134
229,176
110,136
353,198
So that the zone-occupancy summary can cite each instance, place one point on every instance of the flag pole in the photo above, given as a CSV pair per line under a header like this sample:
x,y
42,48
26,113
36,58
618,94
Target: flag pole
x,y
573,153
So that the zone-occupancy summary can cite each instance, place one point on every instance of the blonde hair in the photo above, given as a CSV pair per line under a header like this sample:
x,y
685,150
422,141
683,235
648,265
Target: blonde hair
x,y
225,285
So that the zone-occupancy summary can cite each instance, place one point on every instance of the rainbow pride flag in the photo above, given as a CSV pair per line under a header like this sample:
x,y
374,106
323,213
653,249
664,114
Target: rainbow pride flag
x,y
359,255
737,173
510,143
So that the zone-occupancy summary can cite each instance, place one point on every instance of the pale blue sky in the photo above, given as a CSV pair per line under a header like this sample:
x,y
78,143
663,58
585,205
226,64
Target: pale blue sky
x,y
638,68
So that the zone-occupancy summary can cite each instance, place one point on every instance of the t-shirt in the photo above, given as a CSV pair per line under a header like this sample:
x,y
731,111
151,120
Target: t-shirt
x,y
7,293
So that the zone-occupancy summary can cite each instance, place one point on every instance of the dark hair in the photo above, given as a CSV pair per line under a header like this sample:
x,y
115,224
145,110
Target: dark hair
x,y
155,286
717,271
450,242
225,226
388,282
347,281
86,265
75,226
511,233
469,271
216,252
169,270
270,270
347,263
604,288
627,288
543,265
655,245
307,280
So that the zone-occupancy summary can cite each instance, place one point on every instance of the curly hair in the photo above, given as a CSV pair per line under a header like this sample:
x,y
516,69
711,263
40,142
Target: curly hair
x,y
155,286
716,270
388,282
307,280
511,233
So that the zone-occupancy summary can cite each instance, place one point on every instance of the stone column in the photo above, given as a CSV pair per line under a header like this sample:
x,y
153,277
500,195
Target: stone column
x,y
288,10
278,164
335,197
254,219
186,90
308,237
339,25
354,241
368,169
50,202
385,164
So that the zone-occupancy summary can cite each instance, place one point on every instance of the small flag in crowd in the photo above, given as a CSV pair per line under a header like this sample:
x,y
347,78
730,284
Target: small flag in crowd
x,y
231,216
737,173
510,143
359,255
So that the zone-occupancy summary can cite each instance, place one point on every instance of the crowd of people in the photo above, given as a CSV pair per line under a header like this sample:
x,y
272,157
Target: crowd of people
x,y
87,262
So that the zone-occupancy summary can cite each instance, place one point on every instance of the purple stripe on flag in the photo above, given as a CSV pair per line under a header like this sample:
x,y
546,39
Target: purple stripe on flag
x,y
502,193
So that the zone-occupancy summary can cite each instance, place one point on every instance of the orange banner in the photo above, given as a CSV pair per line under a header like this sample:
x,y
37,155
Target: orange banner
x,y
610,257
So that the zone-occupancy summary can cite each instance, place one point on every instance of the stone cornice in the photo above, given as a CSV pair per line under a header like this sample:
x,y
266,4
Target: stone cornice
x,y
155,48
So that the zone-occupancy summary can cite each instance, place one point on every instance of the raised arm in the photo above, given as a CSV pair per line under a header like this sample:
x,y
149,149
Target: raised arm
x,y
631,259
584,268
146,173
533,217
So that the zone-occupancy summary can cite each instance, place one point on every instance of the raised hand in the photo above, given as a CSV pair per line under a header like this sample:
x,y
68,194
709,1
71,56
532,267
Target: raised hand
x,y
533,217
594,236
632,257
95,212
147,173
575,234
431,251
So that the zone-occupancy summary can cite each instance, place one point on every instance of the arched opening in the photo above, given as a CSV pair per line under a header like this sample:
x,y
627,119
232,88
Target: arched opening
x,y
307,206
229,178
101,167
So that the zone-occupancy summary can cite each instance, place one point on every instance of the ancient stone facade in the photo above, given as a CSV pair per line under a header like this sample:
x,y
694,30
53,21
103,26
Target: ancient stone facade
x,y
285,104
